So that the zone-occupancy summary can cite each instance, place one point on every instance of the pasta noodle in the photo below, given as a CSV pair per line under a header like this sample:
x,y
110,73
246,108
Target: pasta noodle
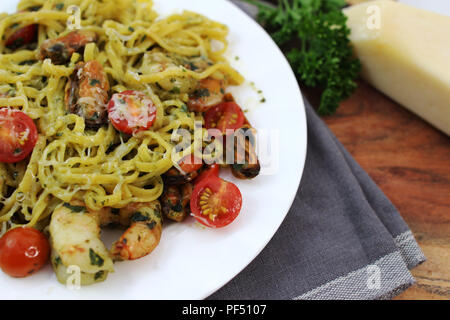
x,y
138,51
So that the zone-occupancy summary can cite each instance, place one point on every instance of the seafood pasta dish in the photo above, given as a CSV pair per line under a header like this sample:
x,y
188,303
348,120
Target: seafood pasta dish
x,y
102,103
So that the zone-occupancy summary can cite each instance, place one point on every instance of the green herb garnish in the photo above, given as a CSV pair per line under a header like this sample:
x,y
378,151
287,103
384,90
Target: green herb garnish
x,y
177,207
94,82
57,261
315,38
96,260
99,274
203,92
184,108
175,90
139,217
74,208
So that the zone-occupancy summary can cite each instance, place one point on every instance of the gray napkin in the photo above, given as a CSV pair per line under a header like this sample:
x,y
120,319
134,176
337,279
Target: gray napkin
x,y
342,238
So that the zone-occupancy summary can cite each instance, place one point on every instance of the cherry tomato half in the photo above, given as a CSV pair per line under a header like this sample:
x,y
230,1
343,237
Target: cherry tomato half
x,y
18,135
23,251
131,111
25,35
190,163
215,202
226,115
212,170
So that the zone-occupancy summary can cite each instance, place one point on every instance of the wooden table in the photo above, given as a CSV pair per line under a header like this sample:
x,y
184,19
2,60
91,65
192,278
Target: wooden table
x,y
410,162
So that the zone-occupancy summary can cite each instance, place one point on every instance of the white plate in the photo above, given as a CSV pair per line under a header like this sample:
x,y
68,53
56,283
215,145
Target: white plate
x,y
192,262
438,6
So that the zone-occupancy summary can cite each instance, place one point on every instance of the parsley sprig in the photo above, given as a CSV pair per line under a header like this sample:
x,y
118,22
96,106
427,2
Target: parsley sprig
x,y
314,36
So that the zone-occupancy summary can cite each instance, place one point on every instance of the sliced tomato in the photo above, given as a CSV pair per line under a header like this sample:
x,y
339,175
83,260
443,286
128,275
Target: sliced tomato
x,y
18,135
215,202
226,115
190,163
23,251
131,111
229,98
23,36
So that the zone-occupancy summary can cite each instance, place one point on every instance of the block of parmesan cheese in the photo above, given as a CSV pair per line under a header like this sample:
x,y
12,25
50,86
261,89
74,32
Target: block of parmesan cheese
x,y
405,53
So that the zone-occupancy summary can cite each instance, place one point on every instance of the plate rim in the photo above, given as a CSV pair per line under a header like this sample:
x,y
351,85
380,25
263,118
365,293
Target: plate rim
x,y
304,152
303,136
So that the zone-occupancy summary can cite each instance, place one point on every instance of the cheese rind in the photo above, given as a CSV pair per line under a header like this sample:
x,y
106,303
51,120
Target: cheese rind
x,y
406,56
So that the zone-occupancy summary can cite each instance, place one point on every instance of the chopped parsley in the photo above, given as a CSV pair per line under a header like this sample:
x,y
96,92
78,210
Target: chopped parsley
x,y
57,261
94,82
314,36
139,217
99,275
74,208
96,260
177,207
175,90
157,214
203,92
192,66
184,108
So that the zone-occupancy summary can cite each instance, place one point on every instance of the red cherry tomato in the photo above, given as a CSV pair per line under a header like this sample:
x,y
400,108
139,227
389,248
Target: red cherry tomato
x,y
25,35
23,251
213,170
190,163
18,135
131,111
215,202
226,115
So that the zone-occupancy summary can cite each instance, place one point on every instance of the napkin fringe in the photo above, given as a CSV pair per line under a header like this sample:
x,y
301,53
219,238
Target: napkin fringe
x,y
356,285
409,249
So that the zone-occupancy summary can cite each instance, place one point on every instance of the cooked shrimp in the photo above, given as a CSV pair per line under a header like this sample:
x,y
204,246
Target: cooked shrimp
x,y
175,201
75,238
60,50
198,64
143,234
75,241
158,61
209,92
87,93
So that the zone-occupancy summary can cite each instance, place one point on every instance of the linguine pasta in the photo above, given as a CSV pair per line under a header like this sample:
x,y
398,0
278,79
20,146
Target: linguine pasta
x,y
162,57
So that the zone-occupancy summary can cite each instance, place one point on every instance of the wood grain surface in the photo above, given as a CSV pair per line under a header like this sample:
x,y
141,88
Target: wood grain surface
x,y
410,161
